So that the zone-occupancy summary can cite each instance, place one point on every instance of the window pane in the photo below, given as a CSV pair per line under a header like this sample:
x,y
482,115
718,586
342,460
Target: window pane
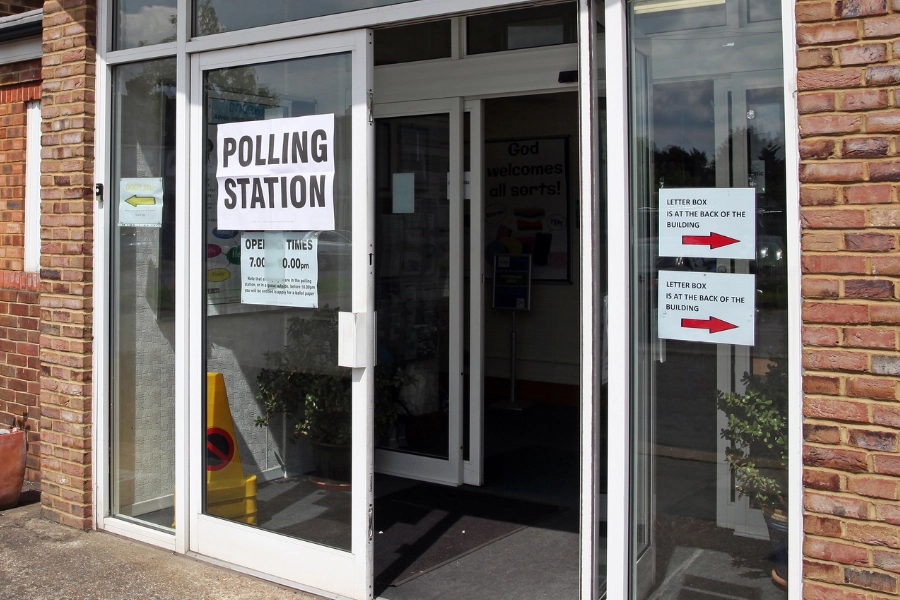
x,y
412,282
709,331
422,41
142,199
217,16
278,424
143,23
525,28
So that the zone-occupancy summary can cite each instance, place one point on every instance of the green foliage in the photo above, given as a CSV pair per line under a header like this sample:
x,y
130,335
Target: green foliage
x,y
757,430
303,382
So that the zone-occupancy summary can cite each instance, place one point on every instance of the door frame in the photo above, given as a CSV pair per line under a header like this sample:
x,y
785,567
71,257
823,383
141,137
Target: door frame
x,y
268,553
416,466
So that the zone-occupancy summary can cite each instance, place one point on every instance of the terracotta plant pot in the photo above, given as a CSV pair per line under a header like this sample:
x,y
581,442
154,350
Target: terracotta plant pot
x,y
12,468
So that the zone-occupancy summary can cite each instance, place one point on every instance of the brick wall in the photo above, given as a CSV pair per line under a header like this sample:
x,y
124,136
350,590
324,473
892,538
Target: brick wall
x,y
849,83
67,107
19,310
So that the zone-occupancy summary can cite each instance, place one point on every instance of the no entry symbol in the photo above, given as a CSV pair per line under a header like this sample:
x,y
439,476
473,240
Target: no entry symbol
x,y
219,449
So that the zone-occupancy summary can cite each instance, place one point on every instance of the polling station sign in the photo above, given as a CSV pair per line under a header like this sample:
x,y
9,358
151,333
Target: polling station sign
x,y
276,175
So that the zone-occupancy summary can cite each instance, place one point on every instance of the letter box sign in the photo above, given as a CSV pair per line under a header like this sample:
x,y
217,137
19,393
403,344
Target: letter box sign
x,y
276,174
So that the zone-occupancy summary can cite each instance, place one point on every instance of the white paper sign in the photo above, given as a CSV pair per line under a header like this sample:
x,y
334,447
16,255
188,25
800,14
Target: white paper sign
x,y
280,268
716,308
141,202
276,175
707,222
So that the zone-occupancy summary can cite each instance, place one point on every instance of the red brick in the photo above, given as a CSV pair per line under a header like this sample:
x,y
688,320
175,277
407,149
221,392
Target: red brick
x,y
871,147
829,218
814,11
862,8
884,314
830,124
835,410
886,415
826,33
822,571
835,458
873,487
845,554
821,434
881,27
869,242
822,384
817,102
886,464
815,287
827,312
822,79
864,100
834,264
814,591
818,196
820,336
823,526
871,439
867,289
872,580
863,54
816,149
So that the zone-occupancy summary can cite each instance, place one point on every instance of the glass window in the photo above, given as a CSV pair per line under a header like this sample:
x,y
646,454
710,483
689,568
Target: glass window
x,y
217,16
709,304
412,282
422,41
142,200
143,23
278,406
525,28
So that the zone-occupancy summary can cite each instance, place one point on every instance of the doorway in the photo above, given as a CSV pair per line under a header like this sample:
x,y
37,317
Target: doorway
x,y
482,523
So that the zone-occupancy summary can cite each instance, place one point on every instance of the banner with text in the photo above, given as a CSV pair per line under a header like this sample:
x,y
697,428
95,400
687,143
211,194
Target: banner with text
x,y
280,268
276,174
527,204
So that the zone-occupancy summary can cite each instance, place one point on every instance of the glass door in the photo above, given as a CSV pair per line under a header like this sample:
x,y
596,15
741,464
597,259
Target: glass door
x,y
283,358
419,290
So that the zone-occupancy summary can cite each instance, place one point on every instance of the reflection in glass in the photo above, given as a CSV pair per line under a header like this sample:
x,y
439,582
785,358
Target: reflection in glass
x,y
278,406
420,41
412,282
518,29
708,483
143,23
217,16
143,292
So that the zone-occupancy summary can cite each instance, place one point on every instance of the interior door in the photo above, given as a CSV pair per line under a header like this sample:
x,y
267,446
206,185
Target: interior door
x,y
419,290
282,345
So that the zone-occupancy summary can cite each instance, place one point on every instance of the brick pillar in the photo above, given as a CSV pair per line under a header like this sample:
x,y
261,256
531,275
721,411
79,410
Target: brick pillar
x,y
849,72
66,260
19,310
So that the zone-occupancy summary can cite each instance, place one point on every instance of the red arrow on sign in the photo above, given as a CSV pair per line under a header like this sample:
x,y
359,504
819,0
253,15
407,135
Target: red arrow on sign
x,y
713,324
713,240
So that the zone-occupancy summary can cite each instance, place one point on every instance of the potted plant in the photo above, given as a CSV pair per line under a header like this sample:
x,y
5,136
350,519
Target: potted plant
x,y
304,382
12,465
758,451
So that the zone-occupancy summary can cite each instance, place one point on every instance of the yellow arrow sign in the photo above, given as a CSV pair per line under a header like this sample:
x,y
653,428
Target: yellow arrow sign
x,y
141,201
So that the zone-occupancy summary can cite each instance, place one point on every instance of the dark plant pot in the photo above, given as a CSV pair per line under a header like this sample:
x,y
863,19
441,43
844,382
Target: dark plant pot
x,y
777,524
12,468
332,461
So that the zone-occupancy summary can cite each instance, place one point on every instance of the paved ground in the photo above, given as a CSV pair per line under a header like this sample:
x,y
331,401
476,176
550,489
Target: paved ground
x,y
40,560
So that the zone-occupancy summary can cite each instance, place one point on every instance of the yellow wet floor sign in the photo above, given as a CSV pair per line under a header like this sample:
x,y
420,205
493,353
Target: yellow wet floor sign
x,y
229,493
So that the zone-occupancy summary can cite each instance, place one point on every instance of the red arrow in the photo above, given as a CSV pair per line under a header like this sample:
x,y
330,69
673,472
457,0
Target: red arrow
x,y
713,240
713,324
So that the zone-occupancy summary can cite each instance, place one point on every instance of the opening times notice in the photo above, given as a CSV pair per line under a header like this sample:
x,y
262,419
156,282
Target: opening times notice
x,y
280,268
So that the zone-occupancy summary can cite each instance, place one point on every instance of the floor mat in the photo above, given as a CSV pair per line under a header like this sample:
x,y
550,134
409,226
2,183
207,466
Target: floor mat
x,y
426,526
